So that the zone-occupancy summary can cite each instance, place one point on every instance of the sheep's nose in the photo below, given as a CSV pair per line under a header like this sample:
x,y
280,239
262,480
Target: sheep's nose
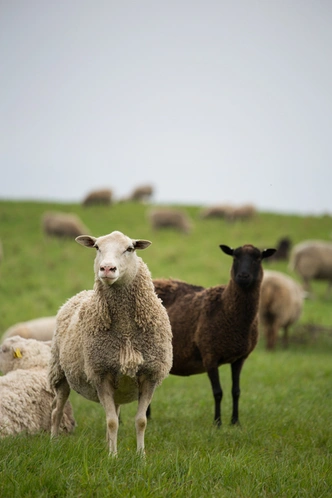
x,y
243,275
108,269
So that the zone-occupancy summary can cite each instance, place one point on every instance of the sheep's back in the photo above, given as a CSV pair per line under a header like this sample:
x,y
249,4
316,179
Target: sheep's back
x,y
312,259
26,404
281,297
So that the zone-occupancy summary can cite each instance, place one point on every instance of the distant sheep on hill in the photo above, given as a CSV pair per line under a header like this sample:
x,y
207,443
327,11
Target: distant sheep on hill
x,y
228,212
170,218
25,396
216,325
280,306
217,211
63,225
312,260
142,193
98,197
39,328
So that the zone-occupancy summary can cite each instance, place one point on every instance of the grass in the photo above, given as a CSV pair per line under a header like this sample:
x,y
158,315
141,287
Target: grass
x,y
283,446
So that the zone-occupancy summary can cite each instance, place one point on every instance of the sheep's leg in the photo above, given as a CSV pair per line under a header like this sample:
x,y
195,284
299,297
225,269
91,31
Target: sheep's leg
x,y
285,338
106,396
236,371
213,374
271,333
62,391
146,391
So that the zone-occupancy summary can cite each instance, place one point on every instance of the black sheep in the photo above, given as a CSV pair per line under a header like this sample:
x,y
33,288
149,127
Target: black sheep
x,y
216,325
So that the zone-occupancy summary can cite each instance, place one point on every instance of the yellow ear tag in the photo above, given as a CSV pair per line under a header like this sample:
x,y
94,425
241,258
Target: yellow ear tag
x,y
17,353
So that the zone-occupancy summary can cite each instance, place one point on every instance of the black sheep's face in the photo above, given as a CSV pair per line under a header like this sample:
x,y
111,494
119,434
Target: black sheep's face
x,y
247,267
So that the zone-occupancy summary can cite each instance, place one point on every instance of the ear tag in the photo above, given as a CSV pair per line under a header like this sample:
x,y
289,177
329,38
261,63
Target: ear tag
x,y
17,353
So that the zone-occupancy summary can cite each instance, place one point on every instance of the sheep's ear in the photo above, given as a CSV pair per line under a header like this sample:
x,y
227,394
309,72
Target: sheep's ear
x,y
86,240
267,253
141,244
227,250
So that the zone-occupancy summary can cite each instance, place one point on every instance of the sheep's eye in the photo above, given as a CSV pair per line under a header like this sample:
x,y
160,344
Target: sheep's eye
x,y
130,249
97,247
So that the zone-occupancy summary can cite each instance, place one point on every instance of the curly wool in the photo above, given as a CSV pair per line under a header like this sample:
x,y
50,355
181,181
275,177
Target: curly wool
x,y
118,329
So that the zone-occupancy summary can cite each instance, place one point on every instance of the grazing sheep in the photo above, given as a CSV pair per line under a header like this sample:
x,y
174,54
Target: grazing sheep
x,y
217,211
98,197
141,193
229,212
280,306
60,224
312,260
216,325
245,212
283,249
112,344
40,328
25,396
170,218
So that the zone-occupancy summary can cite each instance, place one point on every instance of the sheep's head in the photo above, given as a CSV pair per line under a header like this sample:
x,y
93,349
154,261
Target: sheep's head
x,y
247,269
18,352
116,259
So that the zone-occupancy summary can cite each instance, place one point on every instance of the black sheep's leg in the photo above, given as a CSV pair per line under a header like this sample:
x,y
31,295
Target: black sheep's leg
x,y
236,370
148,412
213,374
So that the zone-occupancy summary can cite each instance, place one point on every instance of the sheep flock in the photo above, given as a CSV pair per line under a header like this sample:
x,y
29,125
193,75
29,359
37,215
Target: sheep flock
x,y
116,343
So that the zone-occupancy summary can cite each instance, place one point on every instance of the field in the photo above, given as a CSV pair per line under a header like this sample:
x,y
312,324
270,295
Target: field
x,y
282,447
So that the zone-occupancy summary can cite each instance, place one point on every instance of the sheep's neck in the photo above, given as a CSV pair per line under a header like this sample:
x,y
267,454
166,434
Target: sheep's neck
x,y
245,301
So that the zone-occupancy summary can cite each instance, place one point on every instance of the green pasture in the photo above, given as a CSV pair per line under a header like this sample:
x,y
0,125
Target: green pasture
x,y
283,445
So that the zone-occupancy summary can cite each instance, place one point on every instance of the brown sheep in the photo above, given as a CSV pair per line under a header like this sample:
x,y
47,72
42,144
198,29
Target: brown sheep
x,y
217,325
99,197
63,225
170,218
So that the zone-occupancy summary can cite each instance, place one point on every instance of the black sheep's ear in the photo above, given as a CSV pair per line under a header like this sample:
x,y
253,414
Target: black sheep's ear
x,y
268,252
227,250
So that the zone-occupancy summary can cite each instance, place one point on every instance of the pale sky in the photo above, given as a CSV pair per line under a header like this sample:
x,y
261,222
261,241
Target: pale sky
x,y
210,101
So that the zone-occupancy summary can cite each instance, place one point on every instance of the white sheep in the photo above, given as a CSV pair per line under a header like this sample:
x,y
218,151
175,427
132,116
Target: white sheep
x,y
281,305
170,218
25,396
112,344
58,224
312,260
39,328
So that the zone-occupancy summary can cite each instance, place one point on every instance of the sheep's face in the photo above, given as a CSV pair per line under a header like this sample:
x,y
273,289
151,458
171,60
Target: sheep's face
x,y
247,269
116,259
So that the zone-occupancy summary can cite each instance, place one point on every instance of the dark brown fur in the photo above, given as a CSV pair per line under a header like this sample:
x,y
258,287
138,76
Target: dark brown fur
x,y
216,325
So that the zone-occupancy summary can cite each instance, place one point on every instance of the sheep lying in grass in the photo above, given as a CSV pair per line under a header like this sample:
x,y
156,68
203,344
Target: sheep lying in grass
x,y
280,306
25,396
216,325
39,328
58,224
112,344
312,260
170,218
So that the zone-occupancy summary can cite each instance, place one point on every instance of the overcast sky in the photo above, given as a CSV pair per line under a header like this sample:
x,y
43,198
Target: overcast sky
x,y
210,101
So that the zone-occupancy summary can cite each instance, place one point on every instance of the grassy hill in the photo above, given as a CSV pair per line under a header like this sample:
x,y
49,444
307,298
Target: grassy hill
x,y
284,444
